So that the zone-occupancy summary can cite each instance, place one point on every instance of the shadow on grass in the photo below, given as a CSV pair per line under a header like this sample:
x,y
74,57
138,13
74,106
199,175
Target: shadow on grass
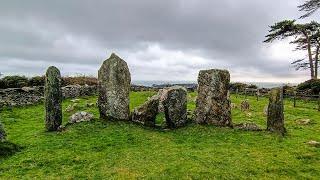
x,y
8,149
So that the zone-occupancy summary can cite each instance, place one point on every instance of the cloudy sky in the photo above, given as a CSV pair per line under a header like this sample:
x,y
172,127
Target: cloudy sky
x,y
160,39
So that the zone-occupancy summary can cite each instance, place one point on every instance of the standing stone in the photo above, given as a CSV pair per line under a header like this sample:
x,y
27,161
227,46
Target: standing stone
x,y
175,106
2,133
213,103
53,99
147,113
114,87
275,118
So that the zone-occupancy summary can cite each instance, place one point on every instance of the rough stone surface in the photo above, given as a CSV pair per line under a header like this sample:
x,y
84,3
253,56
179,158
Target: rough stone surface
x,y
213,103
114,87
80,117
53,99
245,106
2,133
275,118
175,106
147,113
162,93
248,127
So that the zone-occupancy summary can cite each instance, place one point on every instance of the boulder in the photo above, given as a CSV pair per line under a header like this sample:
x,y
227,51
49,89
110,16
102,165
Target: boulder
x,y
80,117
146,114
213,103
175,106
114,87
275,117
53,99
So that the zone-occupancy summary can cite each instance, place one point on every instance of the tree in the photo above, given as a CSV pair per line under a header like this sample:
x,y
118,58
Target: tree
x,y
309,7
306,37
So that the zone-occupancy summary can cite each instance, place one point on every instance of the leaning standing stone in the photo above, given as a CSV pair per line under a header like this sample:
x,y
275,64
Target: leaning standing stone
x,y
53,99
114,87
147,113
175,106
275,119
213,103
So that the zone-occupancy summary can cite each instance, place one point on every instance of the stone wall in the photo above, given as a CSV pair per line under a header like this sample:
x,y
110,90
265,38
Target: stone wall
x,y
32,95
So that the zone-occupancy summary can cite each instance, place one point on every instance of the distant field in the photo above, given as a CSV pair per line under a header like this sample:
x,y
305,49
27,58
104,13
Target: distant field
x,y
120,150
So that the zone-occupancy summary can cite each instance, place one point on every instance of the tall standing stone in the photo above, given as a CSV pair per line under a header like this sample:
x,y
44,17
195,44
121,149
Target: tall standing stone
x,y
114,87
175,106
275,119
213,103
53,99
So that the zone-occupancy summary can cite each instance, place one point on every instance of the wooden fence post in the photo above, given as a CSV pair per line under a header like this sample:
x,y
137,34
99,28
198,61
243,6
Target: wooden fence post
x,y
319,102
294,98
257,93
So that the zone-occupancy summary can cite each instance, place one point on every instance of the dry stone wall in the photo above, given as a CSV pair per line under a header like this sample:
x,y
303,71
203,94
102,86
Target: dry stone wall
x,y
32,95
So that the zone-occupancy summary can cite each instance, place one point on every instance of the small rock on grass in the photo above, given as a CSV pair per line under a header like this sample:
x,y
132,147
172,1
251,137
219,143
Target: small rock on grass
x,y
80,117
303,121
314,143
75,100
248,127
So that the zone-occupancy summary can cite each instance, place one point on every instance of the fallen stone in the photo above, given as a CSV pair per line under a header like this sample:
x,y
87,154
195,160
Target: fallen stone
x,y
175,106
247,127
114,87
80,117
213,103
146,114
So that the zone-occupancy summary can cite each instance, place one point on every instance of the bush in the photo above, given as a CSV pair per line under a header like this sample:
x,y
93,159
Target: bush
x,y
312,85
37,81
15,81
238,86
80,80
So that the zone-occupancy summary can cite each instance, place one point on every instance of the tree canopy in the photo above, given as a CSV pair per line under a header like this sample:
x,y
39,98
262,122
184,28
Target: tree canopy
x,y
306,37
309,7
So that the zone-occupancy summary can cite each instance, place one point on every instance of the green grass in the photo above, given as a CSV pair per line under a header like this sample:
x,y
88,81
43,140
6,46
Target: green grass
x,y
120,150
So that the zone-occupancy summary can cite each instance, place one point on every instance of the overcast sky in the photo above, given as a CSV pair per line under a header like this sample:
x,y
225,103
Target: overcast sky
x,y
159,39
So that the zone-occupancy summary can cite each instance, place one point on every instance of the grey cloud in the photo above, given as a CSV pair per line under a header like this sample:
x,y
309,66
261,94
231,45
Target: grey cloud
x,y
226,34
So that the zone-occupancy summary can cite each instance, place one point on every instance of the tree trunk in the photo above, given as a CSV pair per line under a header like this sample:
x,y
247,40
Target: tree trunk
x,y
310,55
316,63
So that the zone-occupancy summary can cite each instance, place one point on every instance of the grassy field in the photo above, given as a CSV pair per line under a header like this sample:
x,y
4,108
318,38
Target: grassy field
x,y
120,150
